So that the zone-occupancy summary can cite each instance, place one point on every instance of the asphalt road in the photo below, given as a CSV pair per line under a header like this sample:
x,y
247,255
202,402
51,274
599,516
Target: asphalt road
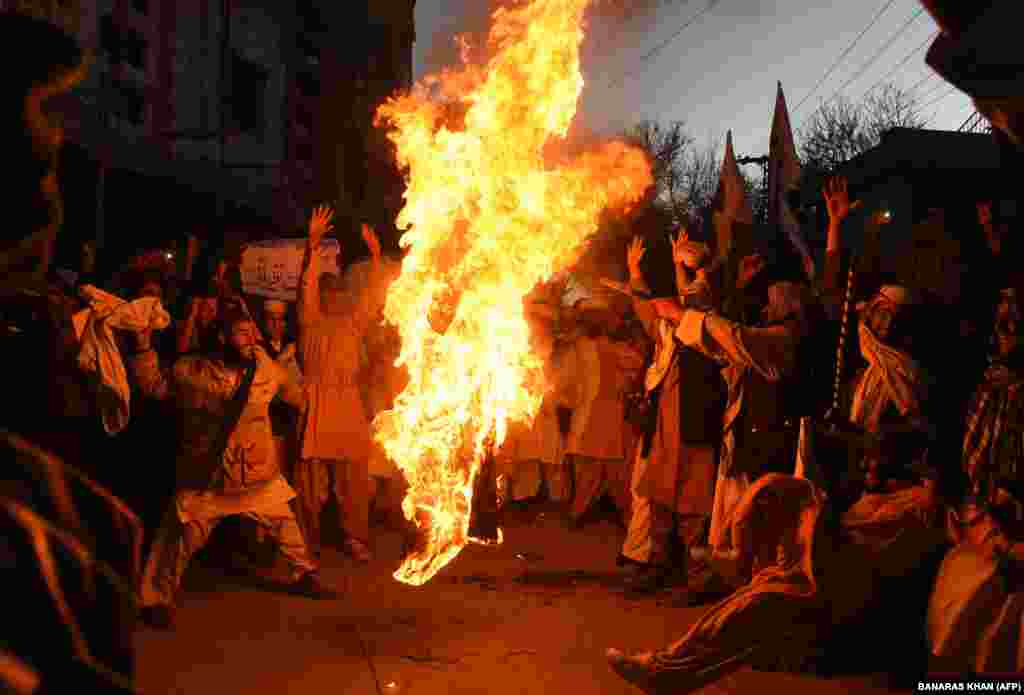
x,y
490,622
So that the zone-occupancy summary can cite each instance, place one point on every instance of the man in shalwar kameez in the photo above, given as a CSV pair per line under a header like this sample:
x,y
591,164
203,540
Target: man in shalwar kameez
x,y
335,441
795,584
284,352
597,444
673,478
768,354
530,452
244,479
776,536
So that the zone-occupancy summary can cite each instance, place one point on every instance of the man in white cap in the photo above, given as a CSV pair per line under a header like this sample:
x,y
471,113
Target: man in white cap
x,y
282,350
890,388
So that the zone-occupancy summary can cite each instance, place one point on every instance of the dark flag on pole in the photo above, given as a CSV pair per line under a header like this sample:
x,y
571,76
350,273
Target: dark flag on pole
x,y
784,183
731,200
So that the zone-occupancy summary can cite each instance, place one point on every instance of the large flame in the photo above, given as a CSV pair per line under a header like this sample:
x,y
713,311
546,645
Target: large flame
x,y
489,213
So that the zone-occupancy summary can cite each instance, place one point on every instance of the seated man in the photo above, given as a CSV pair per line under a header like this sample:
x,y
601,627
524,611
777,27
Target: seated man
x,y
777,539
792,570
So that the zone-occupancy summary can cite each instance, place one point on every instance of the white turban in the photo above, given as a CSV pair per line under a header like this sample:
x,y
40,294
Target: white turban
x,y
894,294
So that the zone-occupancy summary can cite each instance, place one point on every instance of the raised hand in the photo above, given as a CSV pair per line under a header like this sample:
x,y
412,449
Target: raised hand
x,y
984,213
633,256
320,223
750,266
685,253
370,237
837,199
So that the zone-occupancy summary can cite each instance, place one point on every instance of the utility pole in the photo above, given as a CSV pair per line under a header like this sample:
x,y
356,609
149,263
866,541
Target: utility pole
x,y
762,208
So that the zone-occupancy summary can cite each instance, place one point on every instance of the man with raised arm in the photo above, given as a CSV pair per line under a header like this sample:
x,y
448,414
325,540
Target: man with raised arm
x,y
226,465
335,442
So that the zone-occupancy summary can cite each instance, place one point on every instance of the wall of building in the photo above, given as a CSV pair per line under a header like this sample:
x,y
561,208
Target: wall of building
x,y
302,81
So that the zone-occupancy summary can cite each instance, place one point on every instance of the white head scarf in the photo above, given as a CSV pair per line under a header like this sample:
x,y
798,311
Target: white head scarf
x,y
892,376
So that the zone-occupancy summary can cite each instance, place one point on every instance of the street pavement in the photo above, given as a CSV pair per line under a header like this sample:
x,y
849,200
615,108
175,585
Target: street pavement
x,y
533,615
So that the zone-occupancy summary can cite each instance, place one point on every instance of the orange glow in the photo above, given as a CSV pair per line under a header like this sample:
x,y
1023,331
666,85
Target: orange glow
x,y
489,212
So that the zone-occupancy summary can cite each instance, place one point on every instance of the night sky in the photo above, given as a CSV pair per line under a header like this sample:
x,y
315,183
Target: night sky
x,y
721,72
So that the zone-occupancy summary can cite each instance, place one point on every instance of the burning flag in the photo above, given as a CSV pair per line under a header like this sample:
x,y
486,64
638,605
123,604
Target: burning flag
x,y
490,210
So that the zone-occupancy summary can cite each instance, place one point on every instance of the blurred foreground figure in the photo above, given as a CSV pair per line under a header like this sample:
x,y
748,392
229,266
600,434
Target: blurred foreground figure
x,y
976,612
979,52
71,549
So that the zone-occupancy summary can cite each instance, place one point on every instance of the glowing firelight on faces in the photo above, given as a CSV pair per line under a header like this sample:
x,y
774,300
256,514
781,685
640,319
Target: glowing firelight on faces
x,y
488,215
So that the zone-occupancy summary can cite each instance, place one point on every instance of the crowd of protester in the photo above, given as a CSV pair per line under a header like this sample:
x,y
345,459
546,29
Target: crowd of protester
x,y
809,506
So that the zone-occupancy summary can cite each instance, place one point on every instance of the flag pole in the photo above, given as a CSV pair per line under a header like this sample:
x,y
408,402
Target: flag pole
x,y
844,326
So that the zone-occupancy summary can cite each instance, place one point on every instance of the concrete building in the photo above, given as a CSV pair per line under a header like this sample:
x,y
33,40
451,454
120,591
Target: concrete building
x,y
228,118
927,182
335,153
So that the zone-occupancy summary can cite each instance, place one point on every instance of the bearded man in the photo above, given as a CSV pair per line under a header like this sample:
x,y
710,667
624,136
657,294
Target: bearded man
x,y
335,444
226,466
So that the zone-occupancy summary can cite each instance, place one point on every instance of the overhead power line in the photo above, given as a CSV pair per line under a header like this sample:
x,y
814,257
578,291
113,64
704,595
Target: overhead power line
x,y
935,88
924,79
845,53
664,44
901,63
878,54
941,97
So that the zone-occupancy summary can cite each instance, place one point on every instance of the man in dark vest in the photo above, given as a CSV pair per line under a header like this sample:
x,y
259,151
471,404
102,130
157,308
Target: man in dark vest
x,y
771,378
673,479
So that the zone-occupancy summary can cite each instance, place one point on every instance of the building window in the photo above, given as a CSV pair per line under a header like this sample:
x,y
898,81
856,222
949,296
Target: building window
x,y
304,152
246,103
122,46
128,102
308,48
308,83
304,118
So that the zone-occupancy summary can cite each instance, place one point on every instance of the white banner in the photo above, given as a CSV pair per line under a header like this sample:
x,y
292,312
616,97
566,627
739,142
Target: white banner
x,y
271,268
